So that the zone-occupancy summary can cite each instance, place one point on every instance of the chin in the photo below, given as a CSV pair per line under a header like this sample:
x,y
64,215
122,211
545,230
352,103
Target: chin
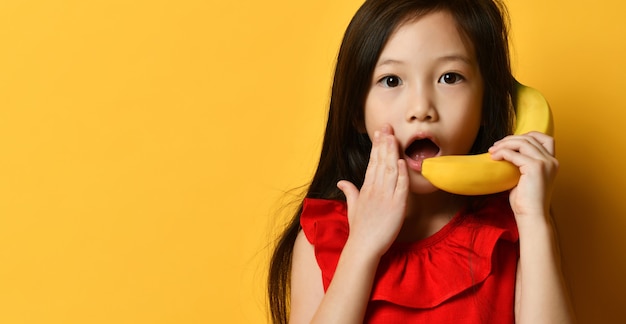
x,y
420,186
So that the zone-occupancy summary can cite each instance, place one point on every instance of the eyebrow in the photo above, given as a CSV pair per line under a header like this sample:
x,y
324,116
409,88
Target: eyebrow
x,y
445,58
389,62
456,57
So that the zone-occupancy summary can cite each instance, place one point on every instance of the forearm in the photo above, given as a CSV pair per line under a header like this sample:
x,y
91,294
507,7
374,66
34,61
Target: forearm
x,y
347,296
543,297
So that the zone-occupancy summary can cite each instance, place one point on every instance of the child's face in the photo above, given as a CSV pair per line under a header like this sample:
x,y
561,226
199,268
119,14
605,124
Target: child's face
x,y
427,86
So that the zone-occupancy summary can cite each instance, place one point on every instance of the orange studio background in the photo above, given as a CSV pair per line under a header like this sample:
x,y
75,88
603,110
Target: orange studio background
x,y
146,148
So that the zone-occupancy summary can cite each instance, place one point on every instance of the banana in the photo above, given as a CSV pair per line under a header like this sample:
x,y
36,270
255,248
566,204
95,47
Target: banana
x,y
479,174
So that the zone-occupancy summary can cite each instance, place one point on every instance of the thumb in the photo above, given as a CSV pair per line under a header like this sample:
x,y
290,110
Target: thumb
x,y
351,192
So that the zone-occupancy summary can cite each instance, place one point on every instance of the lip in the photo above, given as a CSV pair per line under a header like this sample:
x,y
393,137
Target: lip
x,y
411,163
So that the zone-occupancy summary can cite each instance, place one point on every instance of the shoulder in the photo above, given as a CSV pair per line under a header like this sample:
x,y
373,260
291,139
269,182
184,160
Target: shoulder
x,y
302,248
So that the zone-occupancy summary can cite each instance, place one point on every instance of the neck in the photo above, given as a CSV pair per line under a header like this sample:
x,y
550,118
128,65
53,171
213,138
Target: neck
x,y
428,213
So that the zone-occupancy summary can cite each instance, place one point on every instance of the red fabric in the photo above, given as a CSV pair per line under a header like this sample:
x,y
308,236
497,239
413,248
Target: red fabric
x,y
465,273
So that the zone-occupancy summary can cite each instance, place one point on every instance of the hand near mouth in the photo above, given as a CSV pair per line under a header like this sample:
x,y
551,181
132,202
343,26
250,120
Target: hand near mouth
x,y
377,211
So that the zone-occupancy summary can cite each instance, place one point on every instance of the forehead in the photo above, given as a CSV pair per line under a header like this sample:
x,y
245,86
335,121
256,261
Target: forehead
x,y
434,33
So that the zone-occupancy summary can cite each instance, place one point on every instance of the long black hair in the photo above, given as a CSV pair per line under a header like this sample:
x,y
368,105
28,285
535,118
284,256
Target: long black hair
x,y
346,148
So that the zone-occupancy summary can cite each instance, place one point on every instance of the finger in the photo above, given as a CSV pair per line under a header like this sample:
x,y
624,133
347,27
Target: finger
x,y
528,163
352,194
538,139
515,153
381,155
370,172
402,185
544,140
390,171
524,144
512,155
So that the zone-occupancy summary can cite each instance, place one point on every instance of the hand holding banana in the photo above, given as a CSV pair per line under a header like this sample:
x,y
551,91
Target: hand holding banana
x,y
479,174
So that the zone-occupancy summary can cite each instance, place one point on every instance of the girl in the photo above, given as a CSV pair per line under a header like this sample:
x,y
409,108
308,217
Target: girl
x,y
373,240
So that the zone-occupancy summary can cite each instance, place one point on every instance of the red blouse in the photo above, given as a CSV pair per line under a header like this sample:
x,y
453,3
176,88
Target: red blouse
x,y
465,273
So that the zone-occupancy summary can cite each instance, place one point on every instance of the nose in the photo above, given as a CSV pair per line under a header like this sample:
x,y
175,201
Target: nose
x,y
421,105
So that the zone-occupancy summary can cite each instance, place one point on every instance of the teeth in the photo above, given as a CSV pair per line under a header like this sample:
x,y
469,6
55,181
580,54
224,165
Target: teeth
x,y
422,148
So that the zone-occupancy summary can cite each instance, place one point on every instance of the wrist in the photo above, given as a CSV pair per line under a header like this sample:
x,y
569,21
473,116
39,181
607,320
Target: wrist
x,y
535,229
536,233
360,253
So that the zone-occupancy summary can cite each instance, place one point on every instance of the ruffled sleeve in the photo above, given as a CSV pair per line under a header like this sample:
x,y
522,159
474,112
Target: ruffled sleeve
x,y
478,247
325,224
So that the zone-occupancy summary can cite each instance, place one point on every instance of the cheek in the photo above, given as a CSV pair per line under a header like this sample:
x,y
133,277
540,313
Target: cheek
x,y
375,122
473,123
466,128
374,118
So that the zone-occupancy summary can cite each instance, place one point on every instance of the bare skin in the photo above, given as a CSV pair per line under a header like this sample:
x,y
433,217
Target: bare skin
x,y
417,93
541,296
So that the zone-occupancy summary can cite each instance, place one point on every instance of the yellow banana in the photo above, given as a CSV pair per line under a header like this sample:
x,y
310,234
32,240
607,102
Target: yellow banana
x,y
479,174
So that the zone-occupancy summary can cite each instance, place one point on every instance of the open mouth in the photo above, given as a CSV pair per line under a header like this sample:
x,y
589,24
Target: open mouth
x,y
420,150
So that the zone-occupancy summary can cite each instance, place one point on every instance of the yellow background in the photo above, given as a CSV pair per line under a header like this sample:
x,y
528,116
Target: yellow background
x,y
146,148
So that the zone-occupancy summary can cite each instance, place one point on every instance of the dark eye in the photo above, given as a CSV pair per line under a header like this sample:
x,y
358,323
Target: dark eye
x,y
391,81
450,78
